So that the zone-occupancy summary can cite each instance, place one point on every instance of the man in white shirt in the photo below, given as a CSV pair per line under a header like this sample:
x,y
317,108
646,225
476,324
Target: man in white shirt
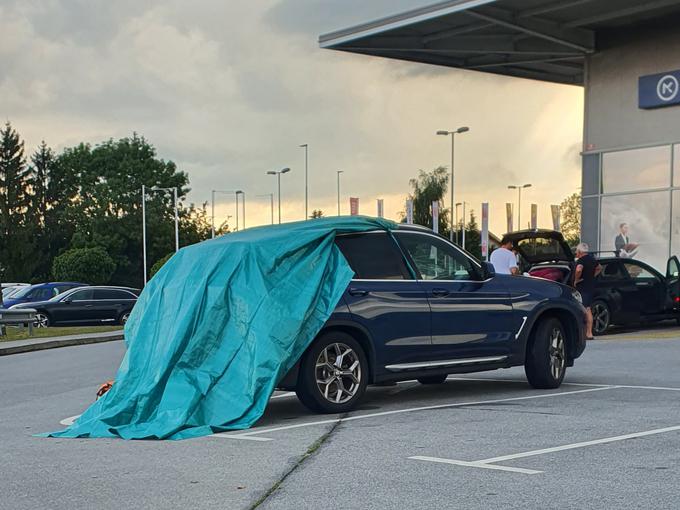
x,y
503,259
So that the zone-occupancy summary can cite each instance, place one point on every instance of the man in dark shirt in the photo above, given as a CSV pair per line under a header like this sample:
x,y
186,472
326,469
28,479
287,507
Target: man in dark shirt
x,y
587,268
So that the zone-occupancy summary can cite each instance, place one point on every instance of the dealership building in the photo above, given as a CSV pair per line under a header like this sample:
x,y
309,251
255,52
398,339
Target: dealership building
x,y
626,56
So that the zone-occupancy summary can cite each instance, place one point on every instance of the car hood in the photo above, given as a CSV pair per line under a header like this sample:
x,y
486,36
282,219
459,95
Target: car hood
x,y
30,304
6,303
536,246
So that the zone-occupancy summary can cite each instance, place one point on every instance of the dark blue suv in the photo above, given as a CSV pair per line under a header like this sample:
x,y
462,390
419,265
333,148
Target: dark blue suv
x,y
40,292
421,308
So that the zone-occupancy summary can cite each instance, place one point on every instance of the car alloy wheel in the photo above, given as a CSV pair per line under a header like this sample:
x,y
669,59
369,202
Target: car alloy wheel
x,y
338,373
557,353
41,320
600,313
124,318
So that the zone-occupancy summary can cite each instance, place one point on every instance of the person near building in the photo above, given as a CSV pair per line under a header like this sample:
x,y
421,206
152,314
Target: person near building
x,y
587,268
503,259
624,248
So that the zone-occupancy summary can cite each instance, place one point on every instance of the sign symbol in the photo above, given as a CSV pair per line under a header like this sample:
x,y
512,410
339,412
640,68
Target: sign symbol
x,y
667,88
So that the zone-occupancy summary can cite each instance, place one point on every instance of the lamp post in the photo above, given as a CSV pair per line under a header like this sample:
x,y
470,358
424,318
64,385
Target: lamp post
x,y
453,134
271,201
339,172
462,222
243,193
306,147
174,196
519,189
278,174
227,192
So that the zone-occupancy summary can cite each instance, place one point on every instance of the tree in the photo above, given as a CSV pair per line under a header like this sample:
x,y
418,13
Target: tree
x,y
430,187
158,264
570,221
317,213
87,265
16,237
473,237
42,167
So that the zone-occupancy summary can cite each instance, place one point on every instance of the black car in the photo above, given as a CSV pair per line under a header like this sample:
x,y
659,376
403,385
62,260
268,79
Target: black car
x,y
420,308
85,305
627,291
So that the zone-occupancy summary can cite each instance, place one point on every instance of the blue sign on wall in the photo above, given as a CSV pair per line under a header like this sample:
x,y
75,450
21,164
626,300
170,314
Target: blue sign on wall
x,y
658,90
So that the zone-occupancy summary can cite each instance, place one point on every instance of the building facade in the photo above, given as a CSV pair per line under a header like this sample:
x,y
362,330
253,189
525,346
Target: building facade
x,y
626,55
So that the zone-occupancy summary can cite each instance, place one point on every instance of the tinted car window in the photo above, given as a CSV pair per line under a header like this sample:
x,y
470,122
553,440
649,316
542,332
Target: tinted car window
x,y
43,294
436,259
112,294
81,295
639,273
373,256
611,271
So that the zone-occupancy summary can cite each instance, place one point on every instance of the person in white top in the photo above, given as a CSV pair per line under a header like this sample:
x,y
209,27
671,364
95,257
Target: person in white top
x,y
503,259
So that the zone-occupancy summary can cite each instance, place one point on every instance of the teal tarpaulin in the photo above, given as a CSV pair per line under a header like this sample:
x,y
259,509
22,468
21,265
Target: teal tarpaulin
x,y
219,325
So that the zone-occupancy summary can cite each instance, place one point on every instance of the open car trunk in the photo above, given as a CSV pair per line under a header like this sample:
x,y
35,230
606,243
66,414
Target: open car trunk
x,y
544,254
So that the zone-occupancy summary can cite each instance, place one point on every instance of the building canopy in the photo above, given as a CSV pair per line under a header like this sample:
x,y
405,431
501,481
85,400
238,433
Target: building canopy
x,y
546,40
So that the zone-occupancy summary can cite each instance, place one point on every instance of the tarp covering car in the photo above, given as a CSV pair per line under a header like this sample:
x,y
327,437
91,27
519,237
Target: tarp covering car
x,y
218,326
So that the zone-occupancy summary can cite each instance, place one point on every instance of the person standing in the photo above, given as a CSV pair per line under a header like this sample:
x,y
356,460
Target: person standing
x,y
587,268
622,245
503,259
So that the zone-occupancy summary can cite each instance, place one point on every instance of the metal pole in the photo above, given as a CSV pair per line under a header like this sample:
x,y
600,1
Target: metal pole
x,y
279,177
453,137
174,193
463,225
144,230
519,208
244,210
212,194
456,223
236,195
338,193
271,201
306,181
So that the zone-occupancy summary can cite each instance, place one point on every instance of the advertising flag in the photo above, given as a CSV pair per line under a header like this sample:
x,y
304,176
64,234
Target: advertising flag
x,y
534,216
353,206
435,216
381,212
508,214
485,230
409,212
555,210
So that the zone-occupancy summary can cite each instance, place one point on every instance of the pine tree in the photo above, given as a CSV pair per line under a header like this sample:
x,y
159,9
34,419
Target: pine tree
x,y
43,163
16,242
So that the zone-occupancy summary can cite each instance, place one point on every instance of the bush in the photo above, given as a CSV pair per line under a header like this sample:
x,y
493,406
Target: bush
x,y
159,263
86,265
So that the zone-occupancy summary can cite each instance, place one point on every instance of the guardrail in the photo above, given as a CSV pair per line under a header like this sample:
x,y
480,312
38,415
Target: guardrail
x,y
21,318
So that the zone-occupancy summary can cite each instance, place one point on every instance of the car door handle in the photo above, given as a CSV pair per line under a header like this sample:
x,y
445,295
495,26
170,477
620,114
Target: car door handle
x,y
440,292
358,292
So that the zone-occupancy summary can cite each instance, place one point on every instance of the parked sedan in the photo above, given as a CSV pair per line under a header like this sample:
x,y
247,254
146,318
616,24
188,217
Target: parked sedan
x,y
627,291
86,305
421,308
39,292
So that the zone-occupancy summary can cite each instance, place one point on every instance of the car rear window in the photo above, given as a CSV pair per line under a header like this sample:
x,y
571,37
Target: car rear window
x,y
373,256
115,294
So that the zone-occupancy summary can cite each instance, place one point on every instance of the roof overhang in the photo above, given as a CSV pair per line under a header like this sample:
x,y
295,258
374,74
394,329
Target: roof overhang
x,y
545,40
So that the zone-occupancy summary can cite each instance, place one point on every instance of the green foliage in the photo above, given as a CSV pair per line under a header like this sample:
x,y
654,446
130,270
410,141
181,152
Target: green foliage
x,y
570,221
317,213
158,264
430,187
473,237
87,265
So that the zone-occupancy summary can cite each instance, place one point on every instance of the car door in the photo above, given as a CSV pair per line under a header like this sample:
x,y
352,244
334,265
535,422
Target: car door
x,y
111,303
651,289
386,300
79,306
673,283
471,317
618,291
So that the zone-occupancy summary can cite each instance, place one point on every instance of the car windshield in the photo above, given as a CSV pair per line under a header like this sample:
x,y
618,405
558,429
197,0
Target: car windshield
x,y
23,292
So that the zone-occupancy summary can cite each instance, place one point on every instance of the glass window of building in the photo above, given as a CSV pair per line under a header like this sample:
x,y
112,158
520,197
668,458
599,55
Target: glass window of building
x,y
676,166
636,169
637,226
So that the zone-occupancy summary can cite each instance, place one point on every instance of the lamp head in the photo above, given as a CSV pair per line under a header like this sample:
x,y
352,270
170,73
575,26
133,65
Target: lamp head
x,y
462,129
271,172
443,133
527,186
285,170
512,187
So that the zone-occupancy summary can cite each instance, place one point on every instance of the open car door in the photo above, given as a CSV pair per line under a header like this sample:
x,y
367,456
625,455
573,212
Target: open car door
x,y
673,280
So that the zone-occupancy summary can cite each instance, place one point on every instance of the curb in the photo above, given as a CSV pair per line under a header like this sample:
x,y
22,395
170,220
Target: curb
x,y
20,346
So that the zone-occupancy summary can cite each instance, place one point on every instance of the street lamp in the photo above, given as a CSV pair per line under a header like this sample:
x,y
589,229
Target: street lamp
x,y
174,195
306,147
271,201
453,134
519,189
462,222
228,192
278,174
339,172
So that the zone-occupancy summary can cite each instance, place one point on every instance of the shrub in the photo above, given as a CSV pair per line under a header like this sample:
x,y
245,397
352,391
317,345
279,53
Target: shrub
x,y
159,263
87,265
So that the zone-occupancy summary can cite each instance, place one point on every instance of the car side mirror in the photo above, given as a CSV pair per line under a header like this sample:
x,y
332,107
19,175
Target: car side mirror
x,y
67,300
488,270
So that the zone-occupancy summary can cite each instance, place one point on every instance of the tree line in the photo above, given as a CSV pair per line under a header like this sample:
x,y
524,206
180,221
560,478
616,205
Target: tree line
x,y
81,210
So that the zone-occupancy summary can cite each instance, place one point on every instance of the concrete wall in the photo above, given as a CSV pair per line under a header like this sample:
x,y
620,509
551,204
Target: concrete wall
x,y
612,117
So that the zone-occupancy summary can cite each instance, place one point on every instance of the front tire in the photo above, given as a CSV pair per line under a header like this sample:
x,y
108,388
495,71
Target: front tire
x,y
546,360
123,318
333,374
42,320
601,317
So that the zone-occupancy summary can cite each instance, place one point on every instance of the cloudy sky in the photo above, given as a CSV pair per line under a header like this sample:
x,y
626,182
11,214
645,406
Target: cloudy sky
x,y
229,90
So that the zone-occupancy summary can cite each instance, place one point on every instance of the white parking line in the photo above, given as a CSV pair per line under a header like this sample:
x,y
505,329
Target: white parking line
x,y
265,430
589,385
490,463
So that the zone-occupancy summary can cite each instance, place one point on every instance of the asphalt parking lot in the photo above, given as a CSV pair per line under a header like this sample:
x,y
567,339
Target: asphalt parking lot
x,y
608,438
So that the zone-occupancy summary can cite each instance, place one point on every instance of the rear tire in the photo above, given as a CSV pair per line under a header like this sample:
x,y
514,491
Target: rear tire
x,y
546,360
42,320
601,317
333,374
433,379
123,318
